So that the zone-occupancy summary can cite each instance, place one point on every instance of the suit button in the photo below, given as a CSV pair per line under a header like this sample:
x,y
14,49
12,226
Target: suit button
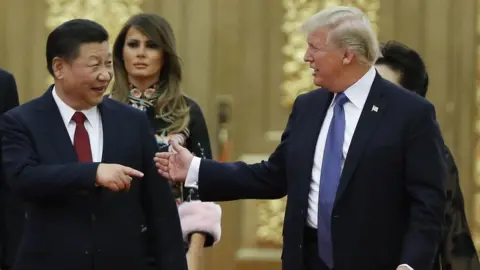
x,y
336,216
300,246
94,217
86,252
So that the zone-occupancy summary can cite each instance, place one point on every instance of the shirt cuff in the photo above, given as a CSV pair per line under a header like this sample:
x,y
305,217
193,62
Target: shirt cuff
x,y
406,265
192,175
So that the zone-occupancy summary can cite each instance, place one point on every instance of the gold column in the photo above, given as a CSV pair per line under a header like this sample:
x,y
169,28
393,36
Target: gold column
x,y
476,187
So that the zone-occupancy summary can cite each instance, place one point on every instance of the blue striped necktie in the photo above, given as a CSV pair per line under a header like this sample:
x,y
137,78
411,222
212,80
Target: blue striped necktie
x,y
330,178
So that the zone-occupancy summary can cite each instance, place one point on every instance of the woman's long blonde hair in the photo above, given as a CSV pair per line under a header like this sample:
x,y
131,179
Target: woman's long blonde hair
x,y
171,105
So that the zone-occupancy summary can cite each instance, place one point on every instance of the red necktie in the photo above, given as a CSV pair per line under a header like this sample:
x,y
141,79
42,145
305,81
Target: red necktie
x,y
81,142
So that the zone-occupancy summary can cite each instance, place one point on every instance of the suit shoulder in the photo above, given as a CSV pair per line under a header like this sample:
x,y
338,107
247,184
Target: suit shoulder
x,y
121,107
125,111
26,108
405,97
309,95
5,74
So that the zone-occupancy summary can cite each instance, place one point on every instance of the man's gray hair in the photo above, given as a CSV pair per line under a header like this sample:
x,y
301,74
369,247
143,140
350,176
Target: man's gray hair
x,y
349,28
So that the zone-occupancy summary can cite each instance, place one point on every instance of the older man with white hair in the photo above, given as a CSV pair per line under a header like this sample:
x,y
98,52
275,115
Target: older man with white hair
x,y
360,160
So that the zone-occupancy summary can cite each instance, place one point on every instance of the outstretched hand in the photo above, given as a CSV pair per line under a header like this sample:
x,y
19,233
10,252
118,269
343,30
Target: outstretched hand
x,y
174,165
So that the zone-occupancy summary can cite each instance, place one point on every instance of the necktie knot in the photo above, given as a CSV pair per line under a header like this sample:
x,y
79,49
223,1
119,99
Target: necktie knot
x,y
340,99
79,118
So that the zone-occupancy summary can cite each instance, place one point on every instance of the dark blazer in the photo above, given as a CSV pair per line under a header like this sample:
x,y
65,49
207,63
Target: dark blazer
x,y
197,142
390,201
11,208
457,250
71,224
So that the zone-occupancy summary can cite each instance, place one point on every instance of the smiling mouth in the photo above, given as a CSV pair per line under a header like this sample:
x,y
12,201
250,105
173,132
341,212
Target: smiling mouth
x,y
99,89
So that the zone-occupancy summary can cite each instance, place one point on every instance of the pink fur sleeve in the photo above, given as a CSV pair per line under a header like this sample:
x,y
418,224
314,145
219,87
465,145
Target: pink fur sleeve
x,y
197,216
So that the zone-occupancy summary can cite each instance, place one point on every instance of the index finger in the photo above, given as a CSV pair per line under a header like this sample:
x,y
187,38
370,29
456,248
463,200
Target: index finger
x,y
163,154
132,172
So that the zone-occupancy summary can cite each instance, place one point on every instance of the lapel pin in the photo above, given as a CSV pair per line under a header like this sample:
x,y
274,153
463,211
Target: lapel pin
x,y
374,108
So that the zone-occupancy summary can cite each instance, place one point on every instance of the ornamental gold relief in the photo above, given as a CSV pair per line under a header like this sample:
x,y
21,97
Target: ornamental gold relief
x,y
297,80
476,192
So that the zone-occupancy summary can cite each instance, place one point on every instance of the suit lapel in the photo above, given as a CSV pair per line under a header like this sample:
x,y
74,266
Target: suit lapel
x,y
54,128
317,109
108,125
372,112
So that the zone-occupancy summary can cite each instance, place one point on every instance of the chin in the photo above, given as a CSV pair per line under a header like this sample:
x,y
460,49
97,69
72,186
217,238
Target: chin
x,y
317,81
96,101
141,74
96,98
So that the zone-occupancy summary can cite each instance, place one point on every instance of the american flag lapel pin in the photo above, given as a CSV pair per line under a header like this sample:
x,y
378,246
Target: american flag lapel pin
x,y
374,108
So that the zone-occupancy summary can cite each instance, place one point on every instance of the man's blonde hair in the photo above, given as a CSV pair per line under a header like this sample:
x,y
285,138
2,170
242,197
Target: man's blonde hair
x,y
349,28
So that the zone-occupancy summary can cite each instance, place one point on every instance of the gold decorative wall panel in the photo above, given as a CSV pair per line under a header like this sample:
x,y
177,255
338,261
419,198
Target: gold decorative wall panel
x,y
109,13
297,80
476,192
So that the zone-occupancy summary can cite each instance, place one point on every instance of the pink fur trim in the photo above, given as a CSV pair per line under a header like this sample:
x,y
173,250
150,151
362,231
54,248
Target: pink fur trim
x,y
197,216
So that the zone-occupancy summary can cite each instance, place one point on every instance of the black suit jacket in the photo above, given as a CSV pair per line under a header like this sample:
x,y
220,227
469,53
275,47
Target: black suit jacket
x,y
390,201
71,224
11,209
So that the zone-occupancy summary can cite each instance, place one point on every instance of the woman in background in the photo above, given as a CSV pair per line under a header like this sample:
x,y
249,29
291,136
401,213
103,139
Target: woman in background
x,y
404,66
148,77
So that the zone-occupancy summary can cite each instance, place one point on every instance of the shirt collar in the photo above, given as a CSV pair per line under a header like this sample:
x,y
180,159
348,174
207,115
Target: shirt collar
x,y
67,112
358,92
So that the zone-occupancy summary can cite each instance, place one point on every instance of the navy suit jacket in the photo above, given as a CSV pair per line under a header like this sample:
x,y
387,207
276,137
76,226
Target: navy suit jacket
x,y
390,201
11,208
71,224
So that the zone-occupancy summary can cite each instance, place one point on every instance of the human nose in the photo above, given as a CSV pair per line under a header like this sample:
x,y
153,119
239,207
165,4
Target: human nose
x,y
105,75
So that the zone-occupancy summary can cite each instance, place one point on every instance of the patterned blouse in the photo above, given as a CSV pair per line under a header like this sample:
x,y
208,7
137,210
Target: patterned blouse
x,y
456,250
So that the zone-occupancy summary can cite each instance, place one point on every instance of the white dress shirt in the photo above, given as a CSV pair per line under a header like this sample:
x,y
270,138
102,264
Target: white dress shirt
x,y
357,96
93,125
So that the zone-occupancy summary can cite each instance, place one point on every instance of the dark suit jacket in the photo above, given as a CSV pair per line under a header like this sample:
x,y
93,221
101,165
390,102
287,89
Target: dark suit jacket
x,y
70,223
11,209
390,202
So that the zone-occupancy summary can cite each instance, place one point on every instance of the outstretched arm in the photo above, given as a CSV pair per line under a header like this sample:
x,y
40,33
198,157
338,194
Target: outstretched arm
x,y
232,181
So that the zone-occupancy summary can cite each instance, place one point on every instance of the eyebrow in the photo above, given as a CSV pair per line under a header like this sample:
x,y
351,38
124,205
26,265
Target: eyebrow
x,y
95,57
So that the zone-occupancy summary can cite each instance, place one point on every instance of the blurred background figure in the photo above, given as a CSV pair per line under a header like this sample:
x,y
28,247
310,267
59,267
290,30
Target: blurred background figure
x,y
12,210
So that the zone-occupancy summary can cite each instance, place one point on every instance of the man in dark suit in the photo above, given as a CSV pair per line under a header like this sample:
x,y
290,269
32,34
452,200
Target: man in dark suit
x,y
84,166
11,209
360,159
404,66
